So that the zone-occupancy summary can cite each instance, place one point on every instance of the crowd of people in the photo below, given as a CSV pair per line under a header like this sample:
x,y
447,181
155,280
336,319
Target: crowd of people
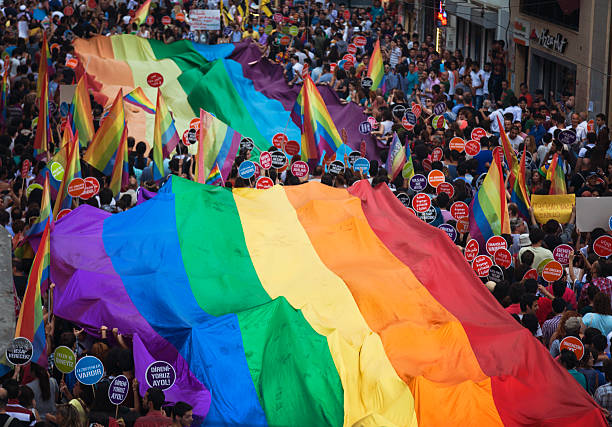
x,y
475,95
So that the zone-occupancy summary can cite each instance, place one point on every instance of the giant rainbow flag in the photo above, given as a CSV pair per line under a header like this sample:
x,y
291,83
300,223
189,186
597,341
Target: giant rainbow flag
x,y
307,306
231,81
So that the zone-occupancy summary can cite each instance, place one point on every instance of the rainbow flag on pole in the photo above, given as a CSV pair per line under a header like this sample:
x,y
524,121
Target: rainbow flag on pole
x,y
140,17
488,210
376,68
30,323
121,171
218,145
43,131
408,169
396,159
214,177
165,134
509,153
319,132
138,98
44,217
556,176
80,111
72,170
520,194
102,149
5,87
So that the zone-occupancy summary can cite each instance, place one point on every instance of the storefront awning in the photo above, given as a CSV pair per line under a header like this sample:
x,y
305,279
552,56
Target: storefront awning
x,y
470,12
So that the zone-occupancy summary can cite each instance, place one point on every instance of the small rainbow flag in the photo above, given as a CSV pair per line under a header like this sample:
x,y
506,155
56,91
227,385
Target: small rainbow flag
x,y
43,131
488,210
141,14
520,194
214,177
376,69
509,153
121,170
102,149
44,217
556,176
138,98
319,133
5,86
80,110
71,171
218,145
408,169
30,323
165,136
396,159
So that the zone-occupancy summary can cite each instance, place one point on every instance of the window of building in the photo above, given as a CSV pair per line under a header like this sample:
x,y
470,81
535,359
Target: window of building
x,y
551,11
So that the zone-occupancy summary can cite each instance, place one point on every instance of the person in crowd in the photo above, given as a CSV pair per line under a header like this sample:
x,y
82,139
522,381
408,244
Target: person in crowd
x,y
153,401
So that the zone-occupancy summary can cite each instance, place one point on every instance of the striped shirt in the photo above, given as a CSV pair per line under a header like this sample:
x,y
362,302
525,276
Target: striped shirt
x,y
549,327
15,410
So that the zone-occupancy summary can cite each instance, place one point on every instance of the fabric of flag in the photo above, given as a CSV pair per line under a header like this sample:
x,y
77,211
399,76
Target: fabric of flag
x,y
72,170
488,210
55,168
376,68
307,306
555,175
101,152
408,169
30,323
214,177
509,153
319,133
5,88
80,110
396,158
165,133
121,171
140,17
43,130
217,145
138,98
44,217
520,194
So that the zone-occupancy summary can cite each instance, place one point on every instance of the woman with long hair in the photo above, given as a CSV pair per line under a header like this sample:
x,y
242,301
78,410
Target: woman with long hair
x,y
68,416
601,316
45,390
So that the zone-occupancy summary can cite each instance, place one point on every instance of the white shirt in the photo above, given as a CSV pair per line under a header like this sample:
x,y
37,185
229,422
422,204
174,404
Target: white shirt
x,y
485,88
477,80
497,113
516,142
516,112
297,71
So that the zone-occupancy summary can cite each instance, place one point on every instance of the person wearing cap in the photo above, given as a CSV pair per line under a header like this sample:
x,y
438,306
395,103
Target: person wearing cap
x,y
572,326
518,228
536,237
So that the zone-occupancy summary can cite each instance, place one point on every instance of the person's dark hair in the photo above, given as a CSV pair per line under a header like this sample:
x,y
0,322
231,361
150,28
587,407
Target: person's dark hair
x,y
327,179
156,397
26,396
607,368
558,305
568,359
591,292
601,304
531,286
516,292
106,196
12,388
559,288
600,342
180,409
527,300
530,322
536,235
43,380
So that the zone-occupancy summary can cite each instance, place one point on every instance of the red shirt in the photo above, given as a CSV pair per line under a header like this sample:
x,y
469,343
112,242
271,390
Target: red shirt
x,y
514,308
544,309
153,419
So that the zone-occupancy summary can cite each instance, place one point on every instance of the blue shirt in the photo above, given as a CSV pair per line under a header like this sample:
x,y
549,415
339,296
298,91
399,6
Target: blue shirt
x,y
538,133
484,157
409,82
392,81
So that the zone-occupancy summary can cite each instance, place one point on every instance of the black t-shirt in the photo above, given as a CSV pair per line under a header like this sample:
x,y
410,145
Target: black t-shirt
x,y
14,422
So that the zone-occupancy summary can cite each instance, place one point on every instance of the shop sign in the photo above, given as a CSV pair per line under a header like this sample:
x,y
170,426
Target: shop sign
x,y
556,43
520,30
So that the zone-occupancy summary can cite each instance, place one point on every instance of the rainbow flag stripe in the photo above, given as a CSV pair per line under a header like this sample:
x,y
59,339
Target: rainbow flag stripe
x,y
520,194
165,133
138,98
55,168
121,170
396,159
218,144
72,170
556,176
319,132
5,87
43,130
509,153
30,323
376,69
102,150
408,169
488,210
44,217
281,324
214,177
140,17
80,110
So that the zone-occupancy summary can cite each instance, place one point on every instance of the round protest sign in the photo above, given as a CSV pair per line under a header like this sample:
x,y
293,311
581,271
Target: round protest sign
x,y
352,49
437,154
293,30
292,148
68,11
194,123
25,168
408,170
366,82
372,121
435,178
429,215
446,187
418,183
404,198
572,344
89,370
531,274
118,390
481,265
246,169
246,143
457,144
471,250
265,160
285,40
478,133
264,182
566,137
92,4
410,119
92,186
562,253
33,187
463,225
406,124
459,210
496,274
350,58
299,169
416,109
438,122
602,246
503,257
346,15
150,20
472,147
19,351
155,80
64,359
398,111
72,63
361,165
185,137
421,202
192,136
439,108
552,271
278,159
449,230
57,170
279,140
494,243
359,41
277,17
336,167
62,214
365,128
76,187
166,20
426,165
348,65
353,156
160,374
